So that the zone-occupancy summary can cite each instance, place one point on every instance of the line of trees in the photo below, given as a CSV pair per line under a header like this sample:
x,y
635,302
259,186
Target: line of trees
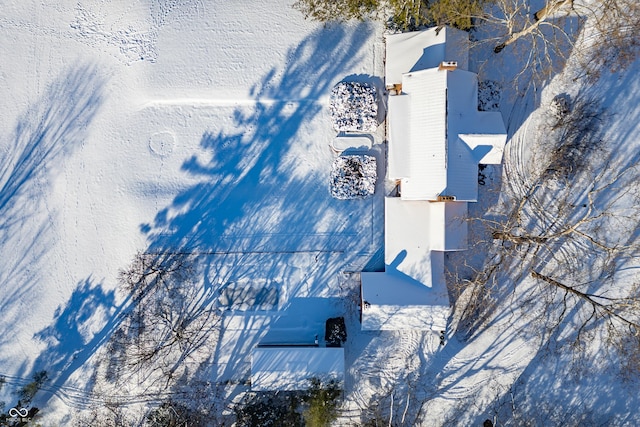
x,y
546,34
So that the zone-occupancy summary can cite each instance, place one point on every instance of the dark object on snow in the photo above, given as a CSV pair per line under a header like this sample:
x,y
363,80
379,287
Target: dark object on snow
x,y
489,95
335,332
560,106
487,423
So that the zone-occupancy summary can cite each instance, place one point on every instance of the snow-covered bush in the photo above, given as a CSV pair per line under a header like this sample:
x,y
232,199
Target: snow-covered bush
x,y
353,177
354,107
335,332
489,94
560,106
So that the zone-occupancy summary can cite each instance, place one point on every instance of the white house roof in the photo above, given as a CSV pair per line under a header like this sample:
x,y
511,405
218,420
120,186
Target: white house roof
x,y
436,139
415,228
393,302
448,225
444,137
420,50
427,123
291,368
398,156
412,292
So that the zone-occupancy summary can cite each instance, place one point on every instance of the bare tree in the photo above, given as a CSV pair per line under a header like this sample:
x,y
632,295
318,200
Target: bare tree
x,y
544,39
171,319
541,38
614,17
569,223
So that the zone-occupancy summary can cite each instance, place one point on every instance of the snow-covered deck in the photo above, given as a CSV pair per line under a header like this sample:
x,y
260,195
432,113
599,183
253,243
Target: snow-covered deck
x,y
291,368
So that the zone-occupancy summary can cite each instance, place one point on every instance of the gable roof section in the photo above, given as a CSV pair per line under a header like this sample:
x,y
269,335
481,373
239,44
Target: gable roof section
x,y
419,50
291,368
412,292
448,226
444,137
399,152
427,122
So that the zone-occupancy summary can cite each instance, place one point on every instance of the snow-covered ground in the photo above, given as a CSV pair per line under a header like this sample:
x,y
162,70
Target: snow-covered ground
x,y
199,127
180,126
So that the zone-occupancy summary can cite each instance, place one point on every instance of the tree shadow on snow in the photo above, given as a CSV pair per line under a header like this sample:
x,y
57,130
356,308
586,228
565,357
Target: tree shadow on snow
x,y
252,196
571,381
79,329
253,209
45,134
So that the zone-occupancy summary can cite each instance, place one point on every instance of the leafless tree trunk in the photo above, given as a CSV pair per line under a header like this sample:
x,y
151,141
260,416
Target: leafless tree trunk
x,y
171,319
558,232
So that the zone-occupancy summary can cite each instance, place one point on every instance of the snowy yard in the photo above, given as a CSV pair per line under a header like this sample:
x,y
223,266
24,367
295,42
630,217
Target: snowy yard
x,y
171,127
202,131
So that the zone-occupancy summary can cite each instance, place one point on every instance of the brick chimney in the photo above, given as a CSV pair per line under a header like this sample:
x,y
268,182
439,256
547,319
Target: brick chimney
x,y
448,65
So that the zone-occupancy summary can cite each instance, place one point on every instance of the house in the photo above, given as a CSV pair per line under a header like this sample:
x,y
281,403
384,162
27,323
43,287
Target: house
x,y
291,368
436,139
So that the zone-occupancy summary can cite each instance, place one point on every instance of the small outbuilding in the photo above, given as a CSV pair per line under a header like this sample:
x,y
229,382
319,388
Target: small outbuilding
x,y
291,368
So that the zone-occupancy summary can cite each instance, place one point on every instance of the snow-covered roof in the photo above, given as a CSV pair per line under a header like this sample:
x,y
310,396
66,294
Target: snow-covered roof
x,y
419,50
426,135
448,225
291,368
412,292
414,228
444,136
437,136
398,156
392,301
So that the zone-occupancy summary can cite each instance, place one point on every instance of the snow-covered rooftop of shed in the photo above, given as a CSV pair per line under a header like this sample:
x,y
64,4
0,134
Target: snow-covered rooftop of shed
x,y
291,368
419,50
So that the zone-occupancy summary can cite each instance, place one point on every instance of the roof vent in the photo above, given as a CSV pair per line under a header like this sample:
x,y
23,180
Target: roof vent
x,y
448,65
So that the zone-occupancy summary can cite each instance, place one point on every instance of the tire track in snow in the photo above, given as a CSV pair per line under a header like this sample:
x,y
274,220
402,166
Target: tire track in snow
x,y
470,369
231,102
78,398
389,365
516,149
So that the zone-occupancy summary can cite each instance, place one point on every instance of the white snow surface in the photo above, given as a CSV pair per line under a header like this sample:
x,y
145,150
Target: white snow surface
x,y
184,126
